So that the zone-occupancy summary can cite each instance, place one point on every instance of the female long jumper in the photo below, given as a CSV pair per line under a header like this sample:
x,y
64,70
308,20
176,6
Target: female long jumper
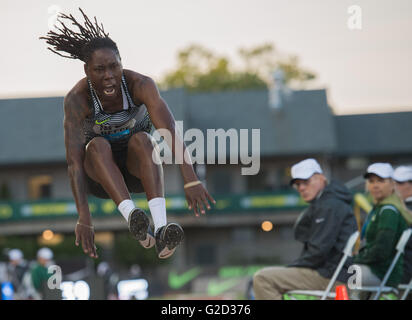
x,y
107,119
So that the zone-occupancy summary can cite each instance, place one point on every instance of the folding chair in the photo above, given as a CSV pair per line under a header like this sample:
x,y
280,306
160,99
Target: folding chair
x,y
407,287
347,252
382,288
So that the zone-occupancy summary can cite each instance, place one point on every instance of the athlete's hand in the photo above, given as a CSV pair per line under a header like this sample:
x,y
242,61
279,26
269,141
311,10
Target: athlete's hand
x,y
197,198
85,236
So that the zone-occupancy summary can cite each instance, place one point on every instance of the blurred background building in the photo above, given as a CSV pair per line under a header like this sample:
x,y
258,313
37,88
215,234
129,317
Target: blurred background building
x,y
329,78
251,224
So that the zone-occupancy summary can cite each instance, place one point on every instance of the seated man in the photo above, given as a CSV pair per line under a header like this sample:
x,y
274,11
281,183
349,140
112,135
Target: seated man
x,y
323,228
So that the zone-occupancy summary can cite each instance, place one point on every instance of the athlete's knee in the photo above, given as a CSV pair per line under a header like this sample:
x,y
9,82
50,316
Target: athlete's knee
x,y
142,141
98,145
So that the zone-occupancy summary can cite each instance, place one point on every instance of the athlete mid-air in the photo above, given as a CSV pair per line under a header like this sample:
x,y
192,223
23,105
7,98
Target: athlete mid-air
x,y
108,116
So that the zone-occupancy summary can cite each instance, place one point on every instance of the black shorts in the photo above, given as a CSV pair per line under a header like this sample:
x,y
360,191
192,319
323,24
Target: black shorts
x,y
134,185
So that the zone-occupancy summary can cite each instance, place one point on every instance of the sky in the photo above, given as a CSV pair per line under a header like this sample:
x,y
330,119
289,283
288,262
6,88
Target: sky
x,y
363,70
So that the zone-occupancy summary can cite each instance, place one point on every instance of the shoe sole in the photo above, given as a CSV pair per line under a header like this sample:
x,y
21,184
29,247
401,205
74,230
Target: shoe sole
x,y
139,223
173,235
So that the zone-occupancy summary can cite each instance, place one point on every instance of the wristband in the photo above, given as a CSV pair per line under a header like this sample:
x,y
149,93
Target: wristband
x,y
85,225
191,184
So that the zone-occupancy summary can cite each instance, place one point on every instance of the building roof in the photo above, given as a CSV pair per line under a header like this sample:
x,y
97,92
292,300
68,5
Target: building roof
x,y
374,134
282,132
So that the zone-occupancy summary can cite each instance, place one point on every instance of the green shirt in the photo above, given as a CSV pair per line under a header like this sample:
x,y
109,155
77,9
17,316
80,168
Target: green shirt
x,y
39,275
382,234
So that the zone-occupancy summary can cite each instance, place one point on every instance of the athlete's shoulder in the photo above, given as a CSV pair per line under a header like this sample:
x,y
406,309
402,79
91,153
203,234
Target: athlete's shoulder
x,y
80,90
142,87
137,80
135,76
77,97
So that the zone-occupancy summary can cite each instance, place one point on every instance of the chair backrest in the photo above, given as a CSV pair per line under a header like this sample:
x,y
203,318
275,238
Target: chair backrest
x,y
347,252
399,247
403,240
350,243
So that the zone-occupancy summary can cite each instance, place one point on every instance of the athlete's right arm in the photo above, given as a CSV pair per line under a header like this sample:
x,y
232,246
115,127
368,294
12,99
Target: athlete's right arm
x,y
75,111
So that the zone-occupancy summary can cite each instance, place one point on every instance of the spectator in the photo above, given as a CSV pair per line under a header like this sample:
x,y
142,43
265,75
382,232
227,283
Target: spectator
x,y
323,228
382,229
39,271
16,269
110,280
403,185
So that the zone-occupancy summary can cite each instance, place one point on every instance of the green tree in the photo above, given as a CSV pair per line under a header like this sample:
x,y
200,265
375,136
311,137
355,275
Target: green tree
x,y
264,59
200,69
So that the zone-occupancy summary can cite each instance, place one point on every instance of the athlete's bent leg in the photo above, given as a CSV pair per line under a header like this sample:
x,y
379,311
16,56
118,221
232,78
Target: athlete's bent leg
x,y
140,163
101,167
142,153
141,150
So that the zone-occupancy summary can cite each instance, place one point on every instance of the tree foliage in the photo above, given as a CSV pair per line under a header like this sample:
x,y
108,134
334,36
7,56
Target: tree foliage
x,y
200,69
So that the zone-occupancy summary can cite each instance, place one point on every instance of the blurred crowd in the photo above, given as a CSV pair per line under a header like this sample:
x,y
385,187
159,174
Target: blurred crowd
x,y
21,279
43,279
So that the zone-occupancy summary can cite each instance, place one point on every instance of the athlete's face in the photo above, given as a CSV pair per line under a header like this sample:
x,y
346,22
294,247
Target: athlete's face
x,y
104,70
379,188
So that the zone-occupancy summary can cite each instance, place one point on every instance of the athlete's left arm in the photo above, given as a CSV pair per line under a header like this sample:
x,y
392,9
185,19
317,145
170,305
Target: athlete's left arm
x,y
162,118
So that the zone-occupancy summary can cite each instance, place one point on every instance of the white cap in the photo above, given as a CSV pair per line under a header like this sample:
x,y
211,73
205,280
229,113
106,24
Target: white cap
x,y
402,174
45,253
305,169
15,254
382,170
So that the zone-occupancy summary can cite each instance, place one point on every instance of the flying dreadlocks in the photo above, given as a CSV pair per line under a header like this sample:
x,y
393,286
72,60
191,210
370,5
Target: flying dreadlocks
x,y
79,45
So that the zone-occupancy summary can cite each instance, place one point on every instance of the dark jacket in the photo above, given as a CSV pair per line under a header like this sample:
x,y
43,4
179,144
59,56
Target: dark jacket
x,y
324,228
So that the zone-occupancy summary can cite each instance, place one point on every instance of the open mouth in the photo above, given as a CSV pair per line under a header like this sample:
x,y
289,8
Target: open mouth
x,y
109,91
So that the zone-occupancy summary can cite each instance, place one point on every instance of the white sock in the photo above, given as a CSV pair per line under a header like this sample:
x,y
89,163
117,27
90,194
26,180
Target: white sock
x,y
157,208
126,207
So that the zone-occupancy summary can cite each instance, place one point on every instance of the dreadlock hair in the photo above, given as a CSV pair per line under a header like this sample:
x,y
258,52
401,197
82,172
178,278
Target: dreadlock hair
x,y
79,45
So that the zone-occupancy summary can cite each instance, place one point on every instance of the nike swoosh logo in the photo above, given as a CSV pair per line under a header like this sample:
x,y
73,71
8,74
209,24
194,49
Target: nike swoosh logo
x,y
177,281
320,220
215,288
97,122
148,242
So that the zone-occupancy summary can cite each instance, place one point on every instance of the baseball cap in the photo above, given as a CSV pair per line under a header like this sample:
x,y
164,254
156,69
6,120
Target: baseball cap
x,y
15,254
402,174
45,253
382,170
305,169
